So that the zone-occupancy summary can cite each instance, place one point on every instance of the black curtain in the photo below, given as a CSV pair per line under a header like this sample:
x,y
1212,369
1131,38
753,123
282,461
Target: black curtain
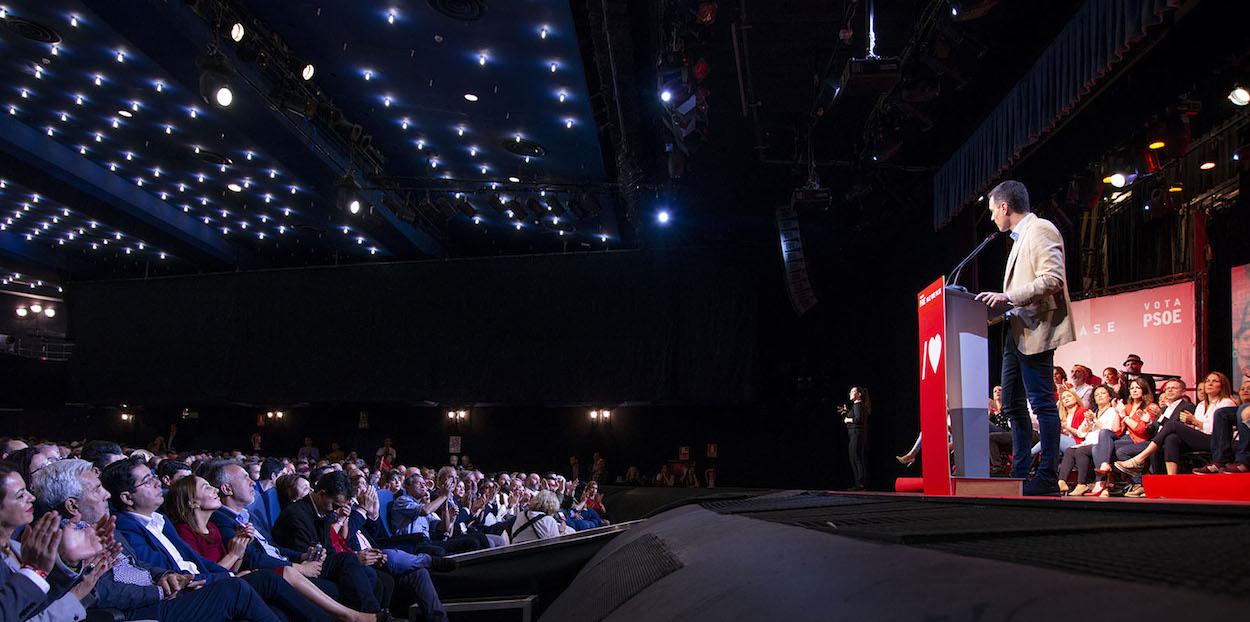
x,y
1082,55
675,325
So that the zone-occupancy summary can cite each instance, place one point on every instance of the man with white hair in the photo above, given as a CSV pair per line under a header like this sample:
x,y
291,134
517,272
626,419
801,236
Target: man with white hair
x,y
72,488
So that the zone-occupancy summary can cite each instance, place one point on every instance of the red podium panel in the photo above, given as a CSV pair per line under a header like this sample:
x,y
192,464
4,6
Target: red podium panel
x,y
934,455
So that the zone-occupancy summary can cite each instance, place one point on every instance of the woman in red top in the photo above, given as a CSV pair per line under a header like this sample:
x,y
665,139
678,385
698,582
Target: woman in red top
x,y
191,502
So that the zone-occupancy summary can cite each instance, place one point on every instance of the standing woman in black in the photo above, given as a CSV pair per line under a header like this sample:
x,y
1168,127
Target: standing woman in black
x,y
856,419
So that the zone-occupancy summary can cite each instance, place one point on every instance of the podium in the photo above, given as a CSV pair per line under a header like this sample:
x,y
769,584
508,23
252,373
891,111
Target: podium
x,y
954,394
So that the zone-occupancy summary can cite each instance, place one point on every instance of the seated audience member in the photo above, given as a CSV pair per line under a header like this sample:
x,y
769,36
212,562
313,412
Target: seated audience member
x,y
170,471
431,518
1072,415
291,488
135,496
10,445
1227,423
633,477
541,520
102,453
1186,432
192,503
72,489
311,521
1080,384
1061,381
1140,415
665,478
1132,371
32,459
1111,380
343,571
998,419
1081,455
588,507
308,452
24,591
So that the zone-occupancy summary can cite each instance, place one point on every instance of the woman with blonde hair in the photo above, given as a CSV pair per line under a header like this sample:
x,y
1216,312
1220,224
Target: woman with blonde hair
x,y
1186,432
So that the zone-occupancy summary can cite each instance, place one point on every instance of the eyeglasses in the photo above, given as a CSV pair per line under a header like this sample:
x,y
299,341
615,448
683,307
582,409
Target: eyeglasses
x,y
146,481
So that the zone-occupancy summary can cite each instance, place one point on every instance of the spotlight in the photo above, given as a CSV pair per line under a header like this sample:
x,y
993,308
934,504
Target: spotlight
x,y
236,32
1239,96
50,312
666,96
1206,166
22,312
470,97
36,308
233,187
348,199
1158,144
663,217
1118,180
215,79
306,72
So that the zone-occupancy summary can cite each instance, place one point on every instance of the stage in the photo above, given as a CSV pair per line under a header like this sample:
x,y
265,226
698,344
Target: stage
x,y
831,556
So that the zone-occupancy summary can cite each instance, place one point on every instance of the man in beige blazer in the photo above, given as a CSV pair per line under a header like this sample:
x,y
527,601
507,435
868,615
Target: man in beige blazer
x,y
1040,320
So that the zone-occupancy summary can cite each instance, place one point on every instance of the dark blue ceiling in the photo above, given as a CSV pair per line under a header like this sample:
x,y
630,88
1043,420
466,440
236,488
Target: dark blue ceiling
x,y
107,126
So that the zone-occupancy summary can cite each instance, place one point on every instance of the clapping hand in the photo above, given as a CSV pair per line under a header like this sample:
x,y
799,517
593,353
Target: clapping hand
x,y
40,542
94,569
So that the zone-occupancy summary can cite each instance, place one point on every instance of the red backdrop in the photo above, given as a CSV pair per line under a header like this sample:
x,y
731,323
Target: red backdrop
x,y
1241,324
1156,324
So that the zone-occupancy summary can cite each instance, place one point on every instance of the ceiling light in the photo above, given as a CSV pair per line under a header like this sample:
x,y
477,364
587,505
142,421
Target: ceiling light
x,y
1176,187
470,97
36,308
1239,96
215,79
236,32
666,96
348,199
306,72
234,187
1206,166
1117,179
1158,144
663,217
125,113
515,180
21,312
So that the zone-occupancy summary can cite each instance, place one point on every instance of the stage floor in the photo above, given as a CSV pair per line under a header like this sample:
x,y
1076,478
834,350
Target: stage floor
x,y
1198,546
813,555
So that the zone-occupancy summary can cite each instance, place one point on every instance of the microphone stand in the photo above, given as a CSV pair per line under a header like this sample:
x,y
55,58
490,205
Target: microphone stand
x,y
952,282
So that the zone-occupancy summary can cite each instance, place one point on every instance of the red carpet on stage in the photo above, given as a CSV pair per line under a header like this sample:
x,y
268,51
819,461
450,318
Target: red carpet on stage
x,y
1228,487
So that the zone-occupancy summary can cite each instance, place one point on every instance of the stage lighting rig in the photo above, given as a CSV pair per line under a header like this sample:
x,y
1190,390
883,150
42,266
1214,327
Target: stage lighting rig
x,y
215,73
348,198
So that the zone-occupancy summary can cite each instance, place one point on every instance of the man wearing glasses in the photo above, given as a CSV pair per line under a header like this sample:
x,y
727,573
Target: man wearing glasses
x,y
135,496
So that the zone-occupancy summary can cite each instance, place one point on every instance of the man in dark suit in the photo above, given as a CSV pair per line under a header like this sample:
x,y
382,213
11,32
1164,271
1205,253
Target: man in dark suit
x,y
135,495
339,573
308,522
139,590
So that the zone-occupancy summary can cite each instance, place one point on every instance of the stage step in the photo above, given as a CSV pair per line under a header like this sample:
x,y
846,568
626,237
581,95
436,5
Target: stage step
x,y
909,484
1224,487
987,487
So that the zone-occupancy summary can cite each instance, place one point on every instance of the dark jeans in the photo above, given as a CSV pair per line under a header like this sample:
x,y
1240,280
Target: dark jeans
x,y
1027,380
355,583
1175,436
415,587
273,589
1226,420
857,450
226,599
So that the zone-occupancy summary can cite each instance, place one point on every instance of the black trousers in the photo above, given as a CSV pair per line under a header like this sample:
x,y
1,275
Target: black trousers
x,y
1176,437
857,450
356,584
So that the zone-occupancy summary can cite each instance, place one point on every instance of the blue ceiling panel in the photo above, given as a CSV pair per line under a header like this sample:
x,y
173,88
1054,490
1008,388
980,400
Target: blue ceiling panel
x,y
403,71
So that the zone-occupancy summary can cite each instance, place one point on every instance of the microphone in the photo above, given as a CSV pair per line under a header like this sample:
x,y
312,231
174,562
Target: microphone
x,y
954,278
